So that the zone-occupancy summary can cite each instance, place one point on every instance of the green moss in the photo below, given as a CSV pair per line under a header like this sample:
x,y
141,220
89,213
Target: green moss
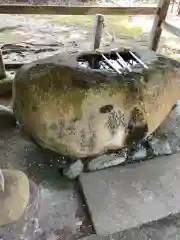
x,y
8,29
175,56
73,98
119,25
76,98
69,20
7,37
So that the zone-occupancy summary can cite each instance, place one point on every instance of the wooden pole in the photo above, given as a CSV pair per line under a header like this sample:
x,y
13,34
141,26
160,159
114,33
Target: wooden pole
x,y
178,10
157,28
2,68
98,28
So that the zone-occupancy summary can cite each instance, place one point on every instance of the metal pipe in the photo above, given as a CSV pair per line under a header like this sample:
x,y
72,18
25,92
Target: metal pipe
x,y
138,60
110,64
121,61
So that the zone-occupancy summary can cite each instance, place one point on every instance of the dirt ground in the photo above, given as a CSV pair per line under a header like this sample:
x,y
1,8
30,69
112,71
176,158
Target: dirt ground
x,y
26,38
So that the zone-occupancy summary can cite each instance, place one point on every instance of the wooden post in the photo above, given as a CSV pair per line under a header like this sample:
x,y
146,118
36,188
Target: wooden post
x,y
178,10
2,68
99,24
172,2
159,18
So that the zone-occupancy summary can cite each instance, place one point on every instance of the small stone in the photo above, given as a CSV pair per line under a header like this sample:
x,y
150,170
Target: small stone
x,y
79,223
35,222
7,119
14,199
24,229
38,232
105,161
74,170
139,155
160,147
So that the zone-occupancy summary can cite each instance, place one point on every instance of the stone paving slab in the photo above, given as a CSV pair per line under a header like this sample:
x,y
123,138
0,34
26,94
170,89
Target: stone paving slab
x,y
164,229
126,197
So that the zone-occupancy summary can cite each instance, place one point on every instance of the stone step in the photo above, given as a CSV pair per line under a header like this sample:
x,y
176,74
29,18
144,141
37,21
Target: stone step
x,y
163,229
126,197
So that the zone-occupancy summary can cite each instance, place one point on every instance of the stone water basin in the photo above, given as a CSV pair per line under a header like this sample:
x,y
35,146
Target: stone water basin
x,y
83,104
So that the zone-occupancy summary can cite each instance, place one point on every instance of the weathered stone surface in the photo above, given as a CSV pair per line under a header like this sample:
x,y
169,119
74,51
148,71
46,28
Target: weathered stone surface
x,y
7,119
14,199
140,154
104,161
81,112
160,146
125,197
165,139
74,170
163,229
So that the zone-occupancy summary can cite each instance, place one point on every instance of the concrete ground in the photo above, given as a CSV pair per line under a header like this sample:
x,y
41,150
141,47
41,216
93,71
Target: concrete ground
x,y
56,208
